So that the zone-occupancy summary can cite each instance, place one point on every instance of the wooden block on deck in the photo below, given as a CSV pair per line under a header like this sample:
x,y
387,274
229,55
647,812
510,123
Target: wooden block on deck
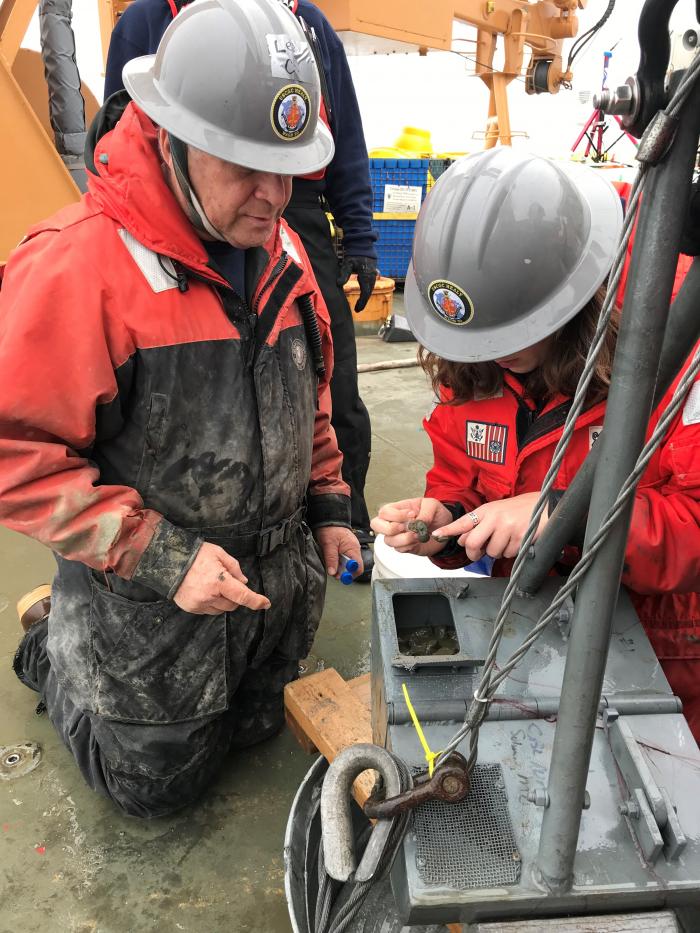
x,y
299,734
362,688
326,711
662,921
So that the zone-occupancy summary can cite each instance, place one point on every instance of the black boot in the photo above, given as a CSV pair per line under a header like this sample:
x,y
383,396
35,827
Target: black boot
x,y
30,660
366,539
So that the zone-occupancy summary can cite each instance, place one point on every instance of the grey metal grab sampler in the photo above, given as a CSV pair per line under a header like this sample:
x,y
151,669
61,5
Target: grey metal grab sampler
x,y
639,844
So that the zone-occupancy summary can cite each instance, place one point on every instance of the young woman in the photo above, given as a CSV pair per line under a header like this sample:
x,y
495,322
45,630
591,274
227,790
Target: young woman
x,y
522,246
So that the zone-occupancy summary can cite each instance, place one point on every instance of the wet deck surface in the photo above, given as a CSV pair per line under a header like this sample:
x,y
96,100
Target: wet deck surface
x,y
69,862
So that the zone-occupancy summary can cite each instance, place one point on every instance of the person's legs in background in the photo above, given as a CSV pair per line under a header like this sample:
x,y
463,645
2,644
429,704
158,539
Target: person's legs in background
x,y
350,416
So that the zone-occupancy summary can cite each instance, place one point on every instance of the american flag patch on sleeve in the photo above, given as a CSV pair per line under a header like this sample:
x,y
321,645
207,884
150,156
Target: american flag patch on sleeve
x,y
487,441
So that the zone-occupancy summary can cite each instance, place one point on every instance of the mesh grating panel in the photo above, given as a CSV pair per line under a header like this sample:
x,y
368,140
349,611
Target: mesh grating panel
x,y
468,844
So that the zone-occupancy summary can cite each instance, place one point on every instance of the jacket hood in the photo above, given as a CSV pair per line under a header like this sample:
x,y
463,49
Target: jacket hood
x,y
104,120
126,178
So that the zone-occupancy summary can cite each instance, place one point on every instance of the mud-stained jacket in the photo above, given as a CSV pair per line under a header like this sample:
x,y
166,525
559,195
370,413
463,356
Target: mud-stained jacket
x,y
482,456
144,408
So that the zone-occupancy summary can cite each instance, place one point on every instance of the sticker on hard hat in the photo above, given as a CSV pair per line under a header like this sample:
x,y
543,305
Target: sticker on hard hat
x,y
290,111
450,302
288,60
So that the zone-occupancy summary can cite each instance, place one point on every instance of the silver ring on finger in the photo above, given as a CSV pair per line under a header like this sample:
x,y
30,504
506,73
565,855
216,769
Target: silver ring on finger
x,y
474,517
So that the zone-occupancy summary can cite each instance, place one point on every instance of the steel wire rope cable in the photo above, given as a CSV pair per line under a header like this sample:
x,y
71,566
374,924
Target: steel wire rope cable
x,y
470,58
488,683
324,921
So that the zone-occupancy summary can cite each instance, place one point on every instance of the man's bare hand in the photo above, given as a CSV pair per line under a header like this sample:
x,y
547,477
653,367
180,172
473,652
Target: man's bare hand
x,y
394,517
335,541
215,583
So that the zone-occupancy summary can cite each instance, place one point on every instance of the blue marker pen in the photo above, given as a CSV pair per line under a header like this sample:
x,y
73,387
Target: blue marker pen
x,y
348,567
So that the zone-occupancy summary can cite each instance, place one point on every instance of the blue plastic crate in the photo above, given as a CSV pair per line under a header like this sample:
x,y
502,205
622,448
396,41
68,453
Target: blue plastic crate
x,y
395,237
394,244
384,172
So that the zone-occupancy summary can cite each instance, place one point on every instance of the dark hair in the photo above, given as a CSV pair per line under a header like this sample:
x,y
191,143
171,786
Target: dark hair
x,y
559,374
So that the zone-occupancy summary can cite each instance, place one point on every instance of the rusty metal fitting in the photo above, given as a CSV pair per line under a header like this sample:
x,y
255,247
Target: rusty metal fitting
x,y
450,783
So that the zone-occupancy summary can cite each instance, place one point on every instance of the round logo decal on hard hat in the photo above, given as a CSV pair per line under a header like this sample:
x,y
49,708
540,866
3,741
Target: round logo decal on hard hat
x,y
450,302
290,111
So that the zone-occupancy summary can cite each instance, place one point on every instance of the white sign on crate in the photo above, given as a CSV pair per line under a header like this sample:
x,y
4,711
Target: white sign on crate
x,y
402,199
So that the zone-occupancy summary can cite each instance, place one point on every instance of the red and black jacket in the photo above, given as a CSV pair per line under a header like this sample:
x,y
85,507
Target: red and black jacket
x,y
136,418
480,455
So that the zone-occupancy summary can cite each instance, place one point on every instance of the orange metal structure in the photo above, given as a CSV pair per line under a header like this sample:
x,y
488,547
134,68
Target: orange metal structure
x,y
110,11
366,26
33,179
34,182
371,27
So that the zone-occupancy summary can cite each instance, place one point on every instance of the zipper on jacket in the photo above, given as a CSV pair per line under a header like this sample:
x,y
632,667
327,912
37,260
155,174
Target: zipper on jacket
x,y
249,318
277,270
181,277
247,331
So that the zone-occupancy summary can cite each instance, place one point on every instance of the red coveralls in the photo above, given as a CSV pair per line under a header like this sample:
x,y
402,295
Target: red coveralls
x,y
479,459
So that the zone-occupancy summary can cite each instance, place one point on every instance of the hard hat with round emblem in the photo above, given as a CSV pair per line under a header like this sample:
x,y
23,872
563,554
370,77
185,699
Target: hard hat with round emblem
x,y
508,247
238,80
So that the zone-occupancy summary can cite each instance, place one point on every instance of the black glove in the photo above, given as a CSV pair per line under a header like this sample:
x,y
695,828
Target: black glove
x,y
366,269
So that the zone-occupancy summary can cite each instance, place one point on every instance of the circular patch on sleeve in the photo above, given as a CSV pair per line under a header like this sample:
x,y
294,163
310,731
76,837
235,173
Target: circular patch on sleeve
x,y
450,303
290,111
299,353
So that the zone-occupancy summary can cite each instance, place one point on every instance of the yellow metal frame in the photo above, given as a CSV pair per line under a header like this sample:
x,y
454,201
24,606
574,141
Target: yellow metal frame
x,y
15,16
110,11
383,215
34,182
541,25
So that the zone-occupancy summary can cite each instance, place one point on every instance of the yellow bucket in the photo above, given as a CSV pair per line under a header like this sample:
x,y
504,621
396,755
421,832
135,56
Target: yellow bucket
x,y
388,152
377,309
415,140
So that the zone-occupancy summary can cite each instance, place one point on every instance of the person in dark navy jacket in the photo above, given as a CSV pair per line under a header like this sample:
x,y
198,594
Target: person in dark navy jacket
x,y
343,187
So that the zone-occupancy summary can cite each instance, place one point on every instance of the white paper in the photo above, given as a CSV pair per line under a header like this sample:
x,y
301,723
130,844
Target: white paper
x,y
402,199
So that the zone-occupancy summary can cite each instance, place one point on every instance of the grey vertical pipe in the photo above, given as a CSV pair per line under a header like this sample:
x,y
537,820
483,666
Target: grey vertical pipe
x,y
629,406
66,104
682,333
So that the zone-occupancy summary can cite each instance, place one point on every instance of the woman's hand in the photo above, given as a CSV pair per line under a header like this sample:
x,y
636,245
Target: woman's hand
x,y
394,517
500,530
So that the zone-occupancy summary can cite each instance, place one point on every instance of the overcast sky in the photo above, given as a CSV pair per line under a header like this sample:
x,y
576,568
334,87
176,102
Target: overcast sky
x,y
439,93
